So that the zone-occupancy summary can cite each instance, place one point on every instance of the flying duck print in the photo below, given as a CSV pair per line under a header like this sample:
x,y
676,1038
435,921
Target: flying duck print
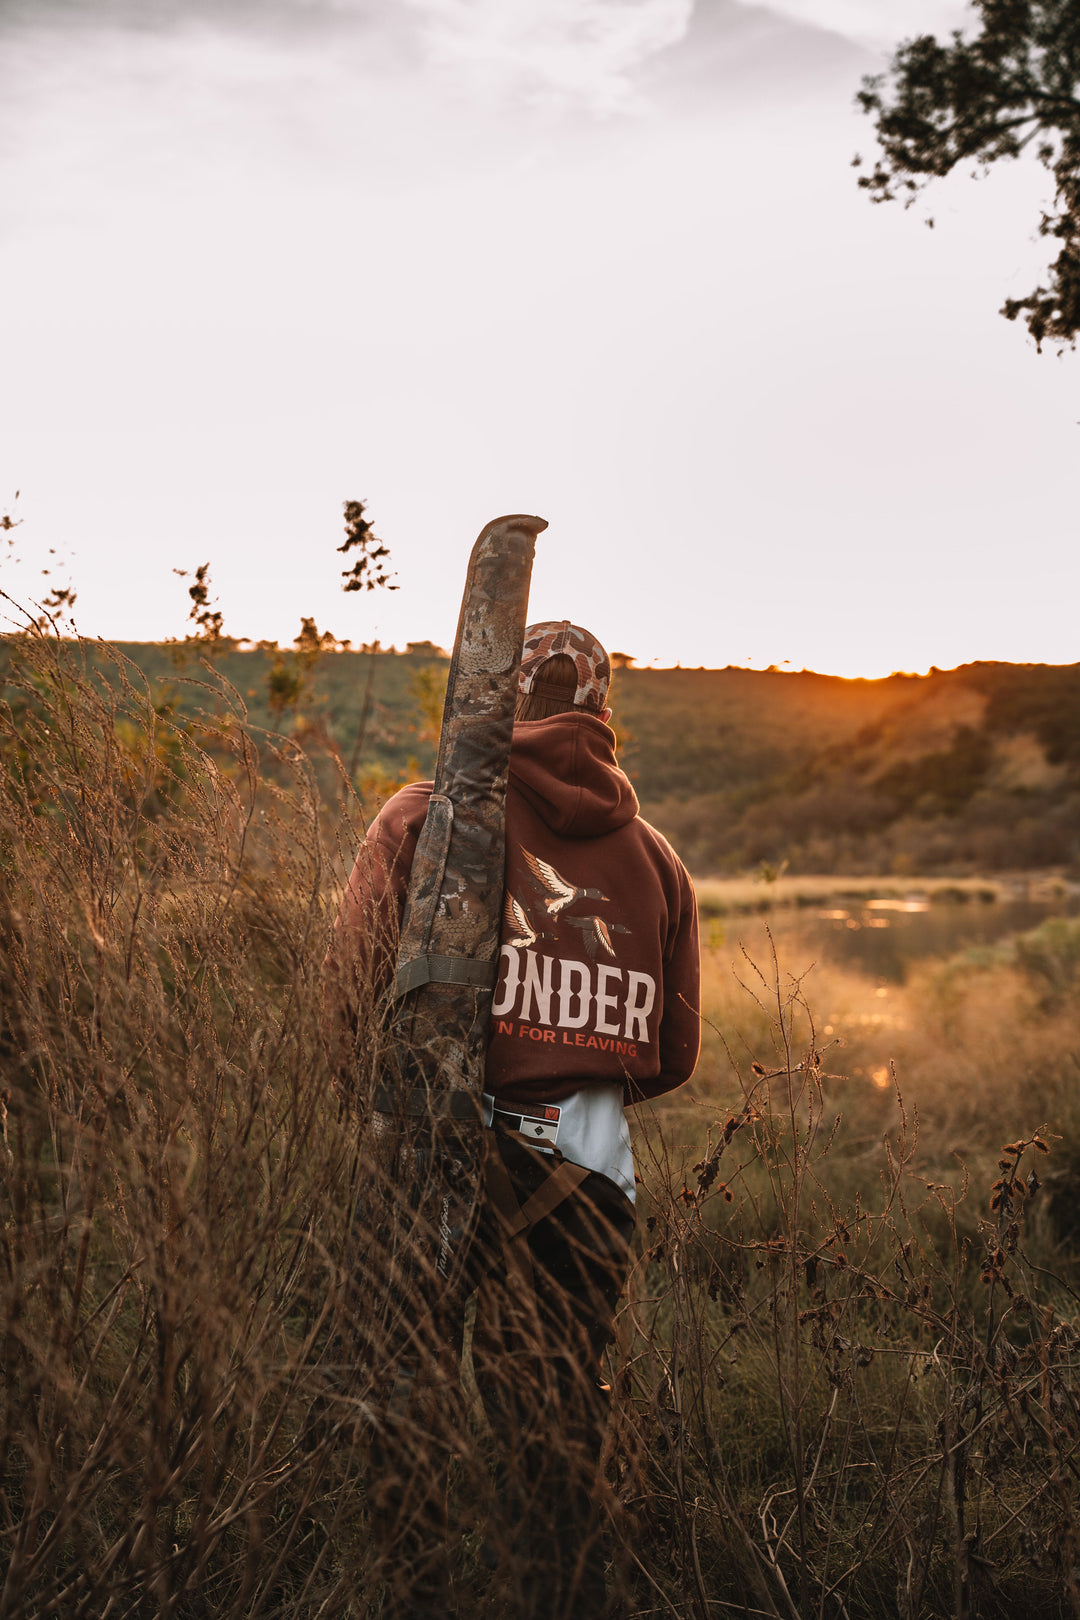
x,y
557,892
596,933
518,931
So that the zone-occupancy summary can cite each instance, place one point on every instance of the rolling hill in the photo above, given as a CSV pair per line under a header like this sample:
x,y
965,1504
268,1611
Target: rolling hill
x,y
976,768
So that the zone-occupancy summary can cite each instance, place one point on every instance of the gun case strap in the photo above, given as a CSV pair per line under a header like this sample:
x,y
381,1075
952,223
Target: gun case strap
x,y
462,970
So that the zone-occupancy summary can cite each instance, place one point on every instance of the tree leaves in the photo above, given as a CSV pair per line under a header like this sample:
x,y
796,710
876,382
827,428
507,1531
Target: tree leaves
x,y
369,570
1015,85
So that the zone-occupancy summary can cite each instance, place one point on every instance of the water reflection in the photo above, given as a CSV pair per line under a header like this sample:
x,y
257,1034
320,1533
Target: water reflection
x,y
883,938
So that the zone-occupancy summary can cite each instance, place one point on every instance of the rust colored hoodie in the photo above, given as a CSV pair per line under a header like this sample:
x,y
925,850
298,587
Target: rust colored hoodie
x,y
599,965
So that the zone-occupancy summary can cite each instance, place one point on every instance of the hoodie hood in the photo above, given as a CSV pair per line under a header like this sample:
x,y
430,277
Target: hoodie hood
x,y
565,769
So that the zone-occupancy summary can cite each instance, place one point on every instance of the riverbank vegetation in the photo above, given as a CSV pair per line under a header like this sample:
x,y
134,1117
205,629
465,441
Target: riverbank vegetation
x,y
847,1377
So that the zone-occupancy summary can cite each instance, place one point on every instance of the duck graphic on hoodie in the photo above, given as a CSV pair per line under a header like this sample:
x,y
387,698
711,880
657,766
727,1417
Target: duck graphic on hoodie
x,y
598,967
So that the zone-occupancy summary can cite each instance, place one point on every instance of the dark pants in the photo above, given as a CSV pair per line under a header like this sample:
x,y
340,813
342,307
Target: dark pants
x,y
545,1306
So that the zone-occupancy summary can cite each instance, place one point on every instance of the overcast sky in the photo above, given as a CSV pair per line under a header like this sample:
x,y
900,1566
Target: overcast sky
x,y
604,260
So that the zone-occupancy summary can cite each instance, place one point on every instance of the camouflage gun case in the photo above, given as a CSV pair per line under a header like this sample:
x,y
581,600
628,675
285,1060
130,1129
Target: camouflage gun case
x,y
429,1101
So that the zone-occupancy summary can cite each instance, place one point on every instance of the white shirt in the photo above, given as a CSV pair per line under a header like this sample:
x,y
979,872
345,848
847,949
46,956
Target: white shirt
x,y
589,1128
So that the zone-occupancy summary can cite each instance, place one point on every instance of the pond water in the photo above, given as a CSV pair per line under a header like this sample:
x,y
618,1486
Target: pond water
x,y
883,938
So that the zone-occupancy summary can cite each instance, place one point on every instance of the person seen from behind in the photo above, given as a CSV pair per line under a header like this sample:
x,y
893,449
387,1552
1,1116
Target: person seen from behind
x,y
594,1011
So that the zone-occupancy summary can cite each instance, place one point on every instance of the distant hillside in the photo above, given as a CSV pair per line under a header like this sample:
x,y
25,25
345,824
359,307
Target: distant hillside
x,y
976,768
694,731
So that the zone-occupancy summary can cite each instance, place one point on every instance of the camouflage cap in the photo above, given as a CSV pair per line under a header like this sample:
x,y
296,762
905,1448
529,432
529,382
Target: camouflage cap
x,y
544,641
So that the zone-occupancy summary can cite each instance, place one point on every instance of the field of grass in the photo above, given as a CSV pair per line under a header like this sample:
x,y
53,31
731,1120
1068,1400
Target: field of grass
x,y
864,1256
847,1372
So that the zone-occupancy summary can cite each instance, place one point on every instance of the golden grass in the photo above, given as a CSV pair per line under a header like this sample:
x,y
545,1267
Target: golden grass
x,y
975,1043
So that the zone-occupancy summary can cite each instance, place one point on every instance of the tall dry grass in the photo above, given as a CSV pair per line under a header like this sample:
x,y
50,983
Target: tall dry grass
x,y
852,1349
847,1373
175,1192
